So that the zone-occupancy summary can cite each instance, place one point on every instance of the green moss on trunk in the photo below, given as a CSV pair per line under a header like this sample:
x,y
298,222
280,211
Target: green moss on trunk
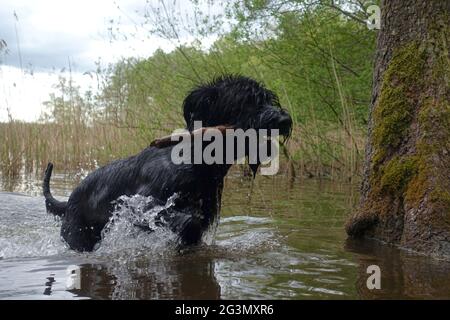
x,y
434,142
398,99
397,173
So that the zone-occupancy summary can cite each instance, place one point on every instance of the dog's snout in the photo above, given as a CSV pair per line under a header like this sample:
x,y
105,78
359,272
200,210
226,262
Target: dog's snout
x,y
285,120
285,123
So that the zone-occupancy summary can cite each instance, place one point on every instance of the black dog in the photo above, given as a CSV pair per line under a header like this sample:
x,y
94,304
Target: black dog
x,y
231,101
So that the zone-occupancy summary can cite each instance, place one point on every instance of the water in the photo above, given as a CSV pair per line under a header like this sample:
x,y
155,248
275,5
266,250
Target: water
x,y
276,239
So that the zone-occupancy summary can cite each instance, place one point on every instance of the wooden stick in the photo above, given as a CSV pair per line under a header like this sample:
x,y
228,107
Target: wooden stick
x,y
167,141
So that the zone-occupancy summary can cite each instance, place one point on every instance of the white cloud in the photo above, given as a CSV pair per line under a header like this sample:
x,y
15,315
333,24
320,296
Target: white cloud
x,y
22,94
49,33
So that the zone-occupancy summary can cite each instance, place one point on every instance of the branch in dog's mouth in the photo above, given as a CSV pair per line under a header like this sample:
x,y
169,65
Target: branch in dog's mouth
x,y
174,139
257,146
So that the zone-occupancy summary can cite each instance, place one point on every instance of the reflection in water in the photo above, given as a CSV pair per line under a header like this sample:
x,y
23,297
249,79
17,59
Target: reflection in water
x,y
73,281
404,275
48,285
30,184
183,278
278,238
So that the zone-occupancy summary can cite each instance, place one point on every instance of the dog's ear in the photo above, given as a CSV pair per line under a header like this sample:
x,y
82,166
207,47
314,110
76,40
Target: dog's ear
x,y
197,106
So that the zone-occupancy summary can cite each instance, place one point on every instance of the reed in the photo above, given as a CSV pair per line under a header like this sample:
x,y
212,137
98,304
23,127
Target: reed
x,y
28,147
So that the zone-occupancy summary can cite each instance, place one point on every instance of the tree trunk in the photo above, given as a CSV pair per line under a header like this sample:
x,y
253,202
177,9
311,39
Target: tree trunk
x,y
405,194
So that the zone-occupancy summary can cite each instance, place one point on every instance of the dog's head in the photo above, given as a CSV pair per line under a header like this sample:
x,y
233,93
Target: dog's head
x,y
236,101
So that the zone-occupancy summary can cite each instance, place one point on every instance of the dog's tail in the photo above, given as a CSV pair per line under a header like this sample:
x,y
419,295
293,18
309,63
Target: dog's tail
x,y
53,206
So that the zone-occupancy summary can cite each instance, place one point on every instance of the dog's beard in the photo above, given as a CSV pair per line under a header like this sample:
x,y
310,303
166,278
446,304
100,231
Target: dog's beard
x,y
266,142
254,168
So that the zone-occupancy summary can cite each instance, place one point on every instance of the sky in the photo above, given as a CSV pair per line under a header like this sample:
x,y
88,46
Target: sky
x,y
45,37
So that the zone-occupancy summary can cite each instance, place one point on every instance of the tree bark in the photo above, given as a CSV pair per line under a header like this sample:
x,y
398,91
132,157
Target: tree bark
x,y
405,194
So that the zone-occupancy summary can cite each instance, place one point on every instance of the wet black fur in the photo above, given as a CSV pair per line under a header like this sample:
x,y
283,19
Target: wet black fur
x,y
237,101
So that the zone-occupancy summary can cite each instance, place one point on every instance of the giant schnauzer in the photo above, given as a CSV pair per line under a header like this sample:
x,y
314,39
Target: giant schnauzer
x,y
228,101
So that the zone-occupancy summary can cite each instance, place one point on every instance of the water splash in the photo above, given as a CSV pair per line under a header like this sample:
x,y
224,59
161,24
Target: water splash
x,y
133,227
26,230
